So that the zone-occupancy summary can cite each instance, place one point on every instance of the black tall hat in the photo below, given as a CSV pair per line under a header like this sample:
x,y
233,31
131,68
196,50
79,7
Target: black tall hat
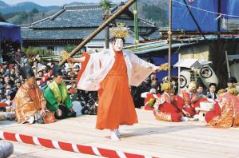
x,y
27,72
57,71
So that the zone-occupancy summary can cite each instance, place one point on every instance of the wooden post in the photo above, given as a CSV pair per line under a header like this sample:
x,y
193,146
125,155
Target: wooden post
x,y
100,28
179,74
107,37
228,66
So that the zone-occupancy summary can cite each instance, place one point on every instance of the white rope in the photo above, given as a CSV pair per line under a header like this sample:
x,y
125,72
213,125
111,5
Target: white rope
x,y
208,11
17,136
75,148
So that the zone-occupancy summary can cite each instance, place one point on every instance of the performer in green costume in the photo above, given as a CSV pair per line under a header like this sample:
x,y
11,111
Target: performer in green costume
x,y
58,100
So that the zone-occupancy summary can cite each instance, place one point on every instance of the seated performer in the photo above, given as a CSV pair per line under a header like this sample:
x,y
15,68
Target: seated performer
x,y
58,100
150,99
166,110
229,114
29,100
191,99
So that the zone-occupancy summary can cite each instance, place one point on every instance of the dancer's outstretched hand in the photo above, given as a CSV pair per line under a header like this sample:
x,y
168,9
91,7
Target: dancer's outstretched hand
x,y
70,60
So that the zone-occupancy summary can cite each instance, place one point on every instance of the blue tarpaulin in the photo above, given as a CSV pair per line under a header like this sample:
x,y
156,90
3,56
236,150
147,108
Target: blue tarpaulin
x,y
204,12
164,59
230,8
10,32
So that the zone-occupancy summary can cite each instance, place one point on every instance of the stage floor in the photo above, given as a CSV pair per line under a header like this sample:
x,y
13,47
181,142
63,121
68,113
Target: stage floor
x,y
148,137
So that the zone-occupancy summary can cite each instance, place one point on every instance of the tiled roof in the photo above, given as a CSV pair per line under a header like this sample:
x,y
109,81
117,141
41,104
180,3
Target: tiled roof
x,y
34,34
154,36
72,18
75,22
69,34
81,16
151,47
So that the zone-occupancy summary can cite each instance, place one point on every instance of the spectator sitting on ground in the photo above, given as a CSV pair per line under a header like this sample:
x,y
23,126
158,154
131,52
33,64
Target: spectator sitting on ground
x,y
29,100
57,97
231,83
211,94
200,91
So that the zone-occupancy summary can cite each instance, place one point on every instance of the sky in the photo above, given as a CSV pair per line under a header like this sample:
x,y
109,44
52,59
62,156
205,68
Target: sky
x,y
54,2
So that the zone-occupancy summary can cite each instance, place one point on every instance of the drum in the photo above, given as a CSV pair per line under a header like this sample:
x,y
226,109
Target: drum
x,y
206,106
49,117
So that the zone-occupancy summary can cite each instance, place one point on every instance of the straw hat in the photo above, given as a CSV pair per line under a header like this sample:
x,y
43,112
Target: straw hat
x,y
119,32
166,86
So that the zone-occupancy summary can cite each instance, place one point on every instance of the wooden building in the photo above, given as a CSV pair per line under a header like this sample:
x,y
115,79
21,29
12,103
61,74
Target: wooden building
x,y
73,23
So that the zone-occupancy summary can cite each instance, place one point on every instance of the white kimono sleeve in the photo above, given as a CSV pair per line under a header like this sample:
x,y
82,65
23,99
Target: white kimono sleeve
x,y
140,69
97,68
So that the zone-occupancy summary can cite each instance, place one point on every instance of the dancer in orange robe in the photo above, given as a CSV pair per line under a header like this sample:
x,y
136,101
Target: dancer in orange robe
x,y
83,65
83,60
115,98
111,73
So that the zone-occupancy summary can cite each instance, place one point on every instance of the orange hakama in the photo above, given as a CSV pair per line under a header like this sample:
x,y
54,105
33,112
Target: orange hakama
x,y
116,105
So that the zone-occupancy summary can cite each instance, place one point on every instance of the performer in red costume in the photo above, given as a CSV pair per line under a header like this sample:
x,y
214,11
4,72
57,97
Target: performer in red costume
x,y
191,99
166,107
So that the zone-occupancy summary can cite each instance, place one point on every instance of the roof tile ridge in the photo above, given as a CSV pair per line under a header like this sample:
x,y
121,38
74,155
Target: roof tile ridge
x,y
51,17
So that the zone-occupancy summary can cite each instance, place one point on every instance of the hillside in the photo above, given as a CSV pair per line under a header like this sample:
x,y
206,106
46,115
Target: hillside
x,y
28,12
23,7
154,10
3,5
25,13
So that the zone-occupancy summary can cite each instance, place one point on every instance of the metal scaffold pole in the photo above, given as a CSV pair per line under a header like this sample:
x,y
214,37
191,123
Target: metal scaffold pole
x,y
136,29
169,38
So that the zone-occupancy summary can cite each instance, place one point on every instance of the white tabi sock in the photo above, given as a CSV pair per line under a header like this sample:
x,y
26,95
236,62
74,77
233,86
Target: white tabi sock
x,y
114,136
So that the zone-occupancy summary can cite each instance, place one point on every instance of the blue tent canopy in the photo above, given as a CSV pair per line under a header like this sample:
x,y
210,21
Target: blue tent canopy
x,y
164,59
195,15
10,32
230,8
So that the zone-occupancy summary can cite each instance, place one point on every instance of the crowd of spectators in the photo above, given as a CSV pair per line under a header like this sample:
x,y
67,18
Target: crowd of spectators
x,y
11,80
8,50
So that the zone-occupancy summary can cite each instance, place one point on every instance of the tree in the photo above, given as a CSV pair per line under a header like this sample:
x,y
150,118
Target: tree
x,y
35,11
1,18
69,47
156,14
106,5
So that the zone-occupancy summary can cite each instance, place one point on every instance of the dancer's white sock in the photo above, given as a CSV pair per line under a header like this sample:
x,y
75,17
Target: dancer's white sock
x,y
114,136
117,132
